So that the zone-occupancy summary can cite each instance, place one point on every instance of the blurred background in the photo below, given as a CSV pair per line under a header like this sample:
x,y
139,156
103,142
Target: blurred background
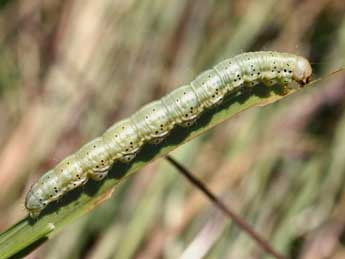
x,y
70,69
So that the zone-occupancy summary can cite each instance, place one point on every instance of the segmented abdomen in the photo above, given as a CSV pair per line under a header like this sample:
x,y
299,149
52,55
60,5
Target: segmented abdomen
x,y
155,120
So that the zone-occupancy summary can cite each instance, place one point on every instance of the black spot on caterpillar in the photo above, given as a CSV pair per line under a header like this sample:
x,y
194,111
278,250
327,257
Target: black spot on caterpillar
x,y
154,121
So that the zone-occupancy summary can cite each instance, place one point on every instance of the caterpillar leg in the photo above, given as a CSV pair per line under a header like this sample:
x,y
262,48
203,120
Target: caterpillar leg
x,y
188,123
286,89
98,176
156,141
251,84
126,158
246,91
270,82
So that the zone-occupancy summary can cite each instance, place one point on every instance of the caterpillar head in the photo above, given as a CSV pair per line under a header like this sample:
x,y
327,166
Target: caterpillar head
x,y
33,204
303,71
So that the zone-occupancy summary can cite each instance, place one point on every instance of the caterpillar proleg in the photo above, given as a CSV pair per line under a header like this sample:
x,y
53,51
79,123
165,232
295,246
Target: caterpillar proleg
x,y
153,122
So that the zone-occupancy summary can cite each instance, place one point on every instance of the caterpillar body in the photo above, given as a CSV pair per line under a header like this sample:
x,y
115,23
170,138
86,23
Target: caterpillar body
x,y
153,122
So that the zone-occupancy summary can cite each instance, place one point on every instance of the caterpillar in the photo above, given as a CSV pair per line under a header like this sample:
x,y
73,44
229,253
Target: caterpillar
x,y
153,122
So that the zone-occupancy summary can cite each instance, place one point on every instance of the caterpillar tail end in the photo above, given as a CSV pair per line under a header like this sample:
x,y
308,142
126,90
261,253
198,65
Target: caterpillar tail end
x,y
33,205
303,71
34,213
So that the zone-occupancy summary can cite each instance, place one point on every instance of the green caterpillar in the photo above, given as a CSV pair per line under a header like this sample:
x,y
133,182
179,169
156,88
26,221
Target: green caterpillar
x,y
153,122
